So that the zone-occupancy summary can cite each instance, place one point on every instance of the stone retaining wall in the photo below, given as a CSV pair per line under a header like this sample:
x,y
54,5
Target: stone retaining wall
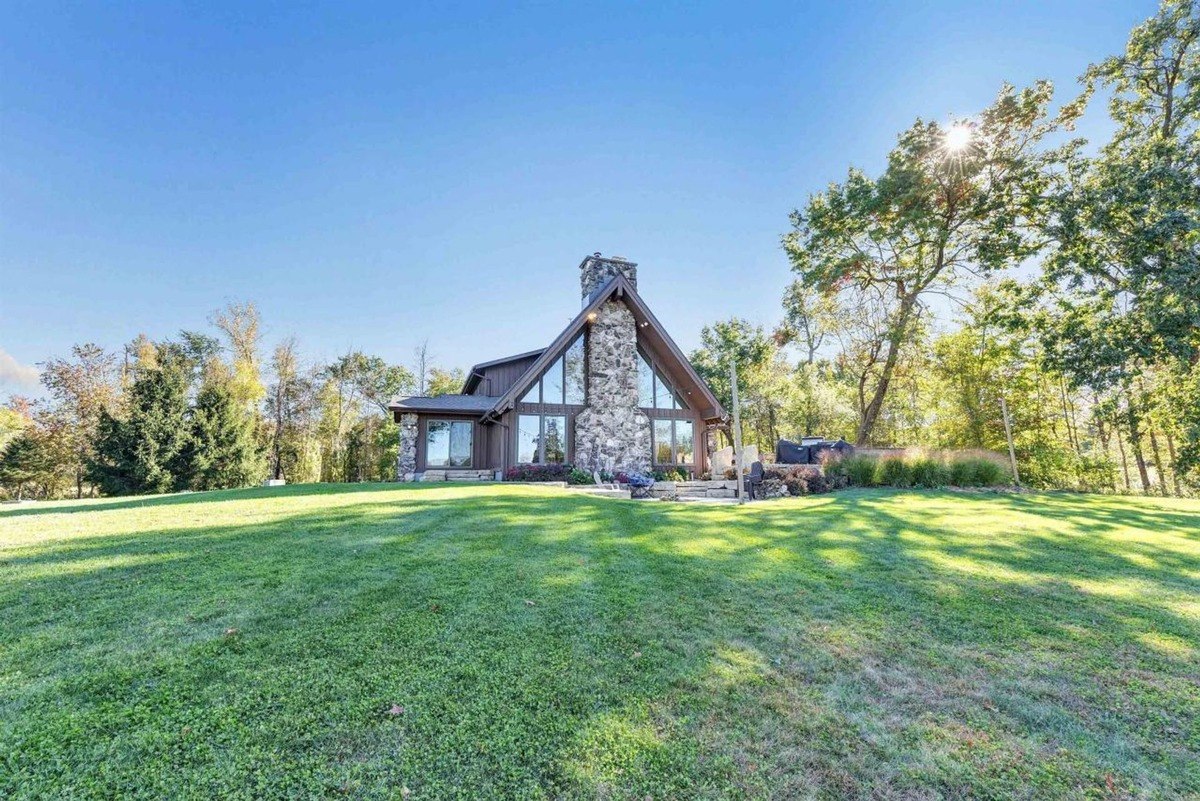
x,y
458,475
671,490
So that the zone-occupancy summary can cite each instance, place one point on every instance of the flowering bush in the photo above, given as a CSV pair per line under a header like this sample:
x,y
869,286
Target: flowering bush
x,y
538,472
639,480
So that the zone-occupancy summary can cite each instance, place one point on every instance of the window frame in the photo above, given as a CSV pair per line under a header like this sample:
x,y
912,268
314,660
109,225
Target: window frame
x,y
448,465
658,383
540,455
674,445
538,387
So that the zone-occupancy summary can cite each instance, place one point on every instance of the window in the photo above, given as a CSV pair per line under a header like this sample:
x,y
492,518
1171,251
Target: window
x,y
654,391
662,441
541,439
576,367
448,443
564,381
674,442
528,436
645,383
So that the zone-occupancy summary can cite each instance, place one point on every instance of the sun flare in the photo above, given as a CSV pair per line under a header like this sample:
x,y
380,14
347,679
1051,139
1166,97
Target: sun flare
x,y
958,137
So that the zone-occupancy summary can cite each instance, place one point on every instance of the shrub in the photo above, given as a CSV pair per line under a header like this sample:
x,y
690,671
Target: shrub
x,y
894,472
671,474
855,471
929,472
538,472
816,483
577,476
976,472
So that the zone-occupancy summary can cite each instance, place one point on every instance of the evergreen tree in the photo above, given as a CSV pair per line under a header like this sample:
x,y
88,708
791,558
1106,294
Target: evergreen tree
x,y
222,452
141,452
23,461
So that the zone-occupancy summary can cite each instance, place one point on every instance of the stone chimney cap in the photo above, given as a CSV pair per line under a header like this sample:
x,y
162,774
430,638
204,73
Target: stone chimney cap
x,y
596,270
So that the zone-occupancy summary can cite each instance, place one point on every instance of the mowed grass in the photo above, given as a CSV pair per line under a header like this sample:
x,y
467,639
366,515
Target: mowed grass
x,y
384,641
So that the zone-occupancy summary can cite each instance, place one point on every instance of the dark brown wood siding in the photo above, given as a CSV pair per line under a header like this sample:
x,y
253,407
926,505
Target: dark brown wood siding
x,y
497,380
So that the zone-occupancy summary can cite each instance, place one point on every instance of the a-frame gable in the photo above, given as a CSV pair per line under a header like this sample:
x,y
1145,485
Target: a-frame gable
x,y
671,358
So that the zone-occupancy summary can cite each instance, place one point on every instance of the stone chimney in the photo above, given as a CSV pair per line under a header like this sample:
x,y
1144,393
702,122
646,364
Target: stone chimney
x,y
596,270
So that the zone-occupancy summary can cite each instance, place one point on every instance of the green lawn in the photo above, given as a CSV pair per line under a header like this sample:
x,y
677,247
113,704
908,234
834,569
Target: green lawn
x,y
431,641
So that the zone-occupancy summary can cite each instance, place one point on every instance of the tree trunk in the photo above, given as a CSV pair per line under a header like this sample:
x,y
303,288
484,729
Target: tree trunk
x,y
871,414
1158,465
1124,460
1135,442
1171,453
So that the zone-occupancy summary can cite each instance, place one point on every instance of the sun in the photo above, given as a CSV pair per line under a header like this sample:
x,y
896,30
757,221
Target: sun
x,y
958,137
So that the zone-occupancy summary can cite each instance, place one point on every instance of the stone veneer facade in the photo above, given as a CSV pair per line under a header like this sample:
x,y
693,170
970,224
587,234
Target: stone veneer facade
x,y
595,271
612,433
406,462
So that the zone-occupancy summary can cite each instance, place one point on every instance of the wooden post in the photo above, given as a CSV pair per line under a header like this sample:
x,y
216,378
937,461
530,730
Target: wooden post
x,y
1012,453
737,436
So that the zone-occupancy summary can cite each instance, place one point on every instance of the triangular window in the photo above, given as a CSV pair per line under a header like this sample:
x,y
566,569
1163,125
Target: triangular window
x,y
564,381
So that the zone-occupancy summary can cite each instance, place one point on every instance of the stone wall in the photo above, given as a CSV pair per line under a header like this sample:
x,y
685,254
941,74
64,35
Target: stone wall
x,y
406,462
612,433
595,272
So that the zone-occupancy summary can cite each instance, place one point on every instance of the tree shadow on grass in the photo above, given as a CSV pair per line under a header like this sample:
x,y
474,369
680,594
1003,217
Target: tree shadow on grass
x,y
211,496
546,644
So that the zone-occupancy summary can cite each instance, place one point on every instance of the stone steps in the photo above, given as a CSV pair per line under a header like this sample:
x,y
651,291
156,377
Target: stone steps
x,y
458,475
603,491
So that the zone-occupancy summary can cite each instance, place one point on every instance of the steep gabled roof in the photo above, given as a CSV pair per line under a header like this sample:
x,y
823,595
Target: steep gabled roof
x,y
476,373
701,397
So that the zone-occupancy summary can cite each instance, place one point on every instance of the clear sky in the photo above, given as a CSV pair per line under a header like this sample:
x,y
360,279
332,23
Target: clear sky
x,y
374,175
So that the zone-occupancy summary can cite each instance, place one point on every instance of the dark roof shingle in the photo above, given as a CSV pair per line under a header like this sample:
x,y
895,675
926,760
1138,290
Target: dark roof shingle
x,y
444,403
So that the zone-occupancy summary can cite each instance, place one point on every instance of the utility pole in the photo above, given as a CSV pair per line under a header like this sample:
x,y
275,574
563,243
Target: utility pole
x,y
1012,453
737,436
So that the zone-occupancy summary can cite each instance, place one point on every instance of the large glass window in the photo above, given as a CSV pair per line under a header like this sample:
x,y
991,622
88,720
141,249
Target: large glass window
x,y
645,383
448,443
654,391
529,436
564,381
684,449
662,441
674,442
576,369
664,398
552,383
541,439
554,439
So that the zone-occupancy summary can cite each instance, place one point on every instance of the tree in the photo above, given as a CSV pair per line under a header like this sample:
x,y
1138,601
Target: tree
x,y
745,346
952,202
808,316
24,460
81,388
140,452
240,322
221,453
445,382
1119,298
421,364
291,402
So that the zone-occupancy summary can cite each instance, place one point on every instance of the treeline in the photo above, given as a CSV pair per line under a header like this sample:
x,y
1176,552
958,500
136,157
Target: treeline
x,y
206,411
1071,271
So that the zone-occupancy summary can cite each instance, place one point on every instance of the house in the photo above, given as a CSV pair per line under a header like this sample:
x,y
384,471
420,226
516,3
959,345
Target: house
x,y
611,392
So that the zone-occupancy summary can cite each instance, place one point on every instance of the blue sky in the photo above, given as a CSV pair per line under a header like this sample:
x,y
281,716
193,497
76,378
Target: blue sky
x,y
375,175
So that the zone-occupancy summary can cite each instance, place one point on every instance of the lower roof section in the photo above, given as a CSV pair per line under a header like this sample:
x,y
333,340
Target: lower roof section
x,y
462,404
